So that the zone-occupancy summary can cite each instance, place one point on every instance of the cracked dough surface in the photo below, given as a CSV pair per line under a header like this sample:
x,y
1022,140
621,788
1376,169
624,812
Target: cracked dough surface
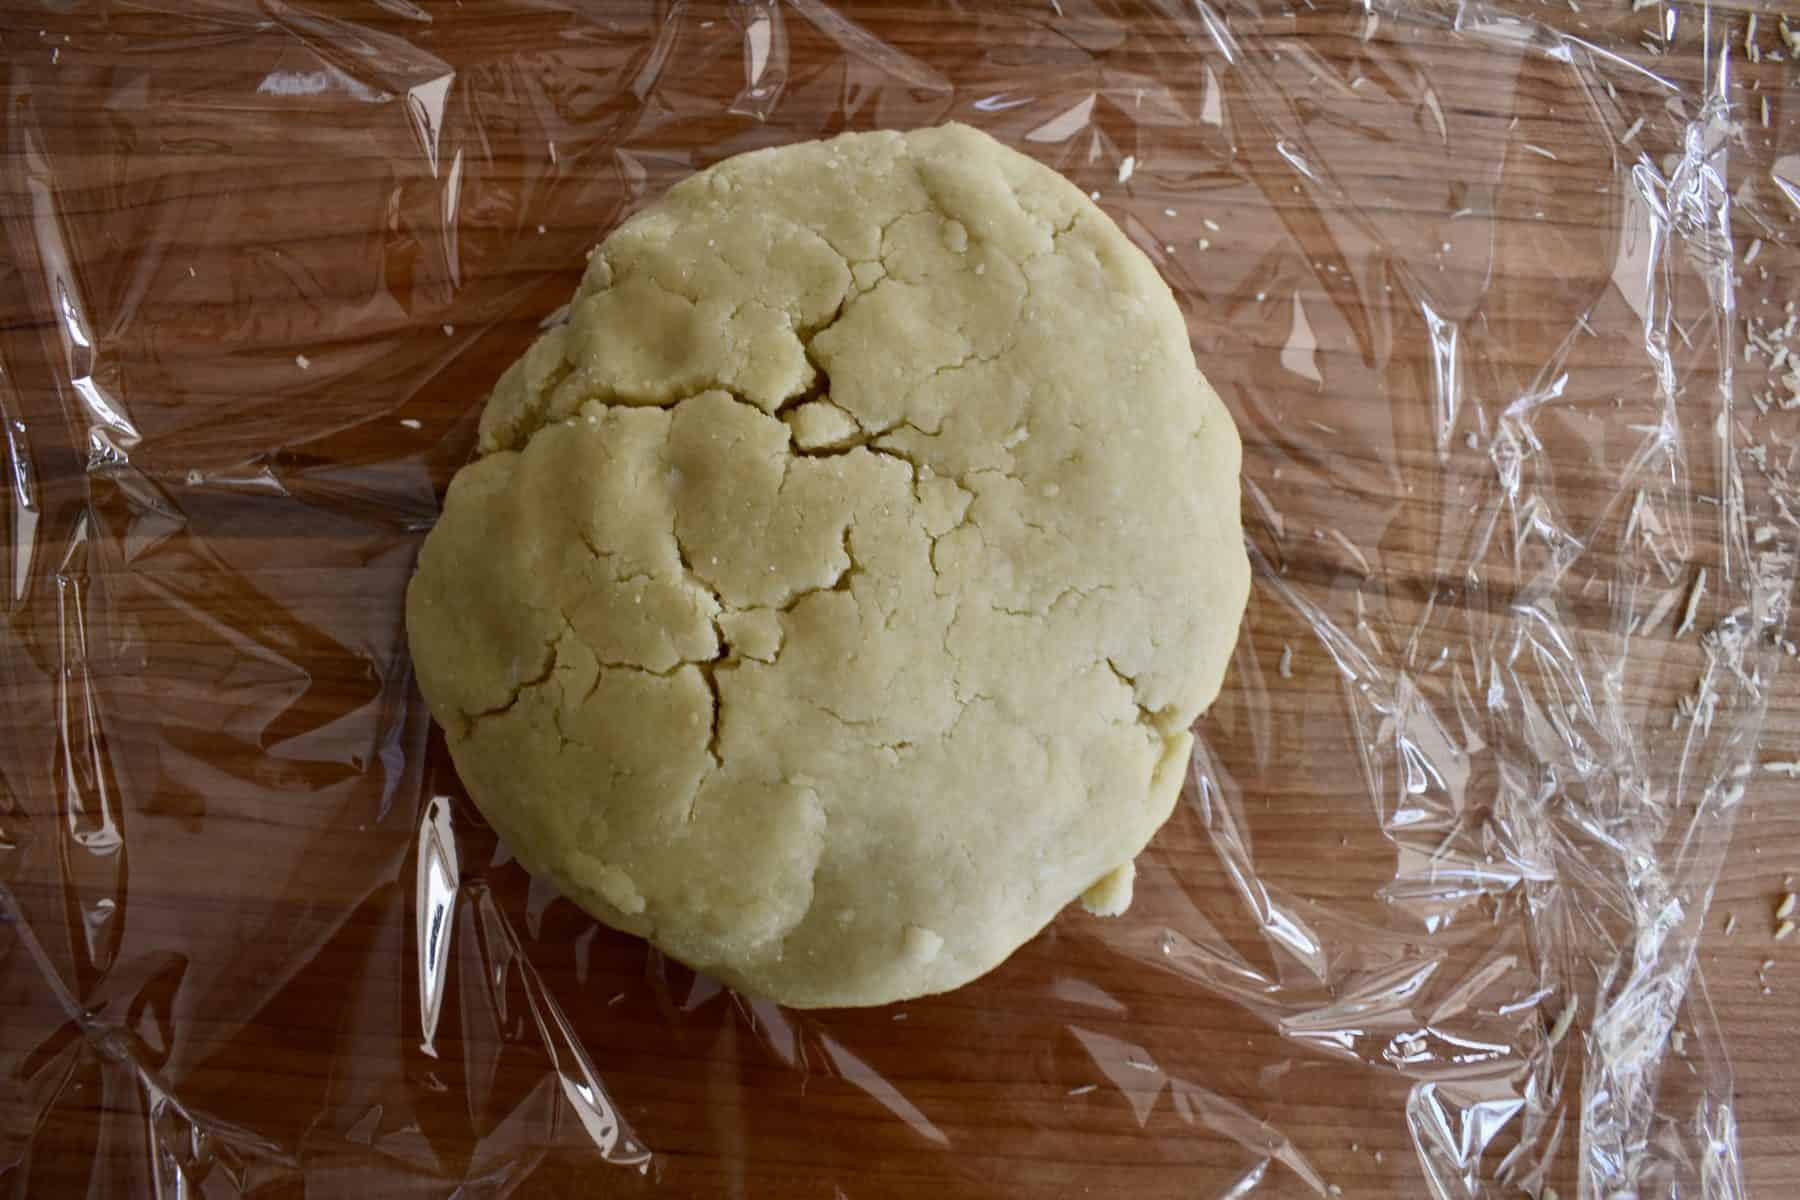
x,y
834,590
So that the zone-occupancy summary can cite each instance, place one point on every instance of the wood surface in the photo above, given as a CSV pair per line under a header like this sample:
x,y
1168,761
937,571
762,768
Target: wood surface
x,y
213,766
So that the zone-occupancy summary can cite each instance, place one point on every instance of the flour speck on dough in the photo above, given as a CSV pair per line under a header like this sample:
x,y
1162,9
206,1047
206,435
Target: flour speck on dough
x,y
834,590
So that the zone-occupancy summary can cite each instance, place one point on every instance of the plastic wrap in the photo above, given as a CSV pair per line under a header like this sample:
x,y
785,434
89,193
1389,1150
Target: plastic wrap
x,y
1427,913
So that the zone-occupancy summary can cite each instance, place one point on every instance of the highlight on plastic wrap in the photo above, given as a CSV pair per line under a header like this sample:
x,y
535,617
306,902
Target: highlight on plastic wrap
x,y
1464,278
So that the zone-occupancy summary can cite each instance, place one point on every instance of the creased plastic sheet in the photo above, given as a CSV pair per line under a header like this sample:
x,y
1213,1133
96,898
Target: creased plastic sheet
x,y
1427,913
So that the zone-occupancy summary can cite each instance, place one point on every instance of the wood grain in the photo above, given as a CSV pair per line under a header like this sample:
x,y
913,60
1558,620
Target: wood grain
x,y
284,307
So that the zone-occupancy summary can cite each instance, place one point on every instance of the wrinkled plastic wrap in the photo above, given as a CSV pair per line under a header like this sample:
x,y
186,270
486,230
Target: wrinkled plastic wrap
x,y
1427,911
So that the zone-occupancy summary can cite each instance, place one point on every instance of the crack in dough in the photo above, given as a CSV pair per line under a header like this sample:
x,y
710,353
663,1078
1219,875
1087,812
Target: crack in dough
x,y
834,590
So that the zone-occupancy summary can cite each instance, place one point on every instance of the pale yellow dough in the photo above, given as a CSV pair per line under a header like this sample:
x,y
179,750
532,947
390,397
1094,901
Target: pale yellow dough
x,y
834,591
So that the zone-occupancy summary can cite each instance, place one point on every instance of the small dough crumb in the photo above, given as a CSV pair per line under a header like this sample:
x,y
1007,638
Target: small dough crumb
x,y
922,945
618,888
821,425
1111,893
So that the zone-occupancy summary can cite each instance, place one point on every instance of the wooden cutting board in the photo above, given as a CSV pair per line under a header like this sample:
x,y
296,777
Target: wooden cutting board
x,y
262,265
